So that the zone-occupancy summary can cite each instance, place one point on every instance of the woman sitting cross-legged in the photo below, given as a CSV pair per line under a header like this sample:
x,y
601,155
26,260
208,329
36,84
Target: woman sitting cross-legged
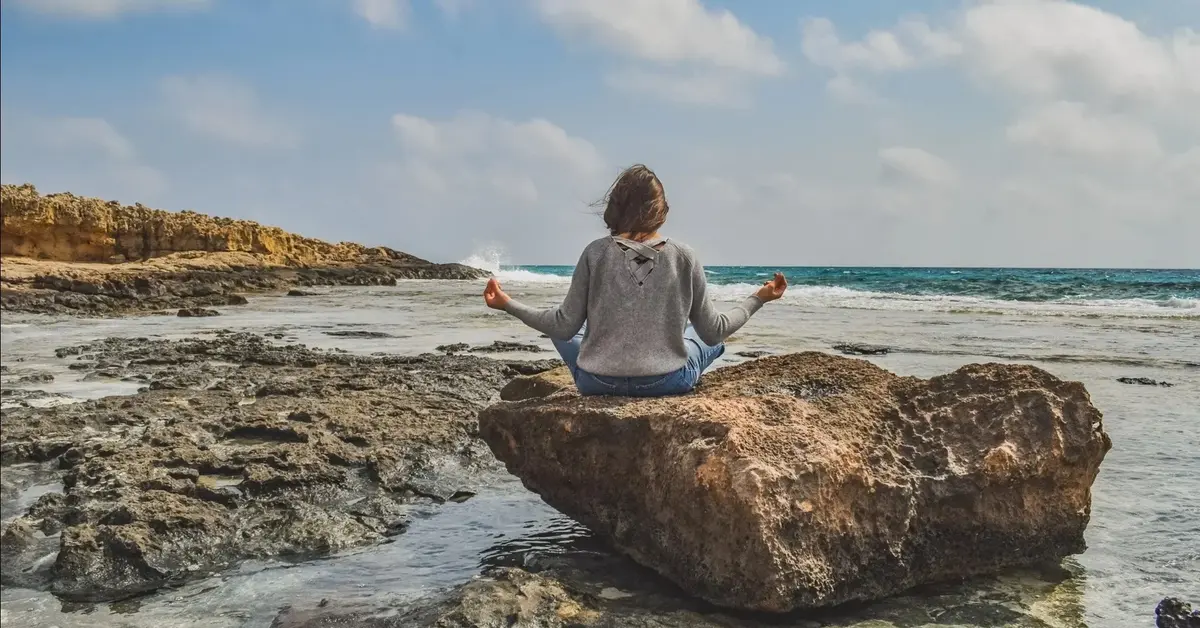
x,y
623,327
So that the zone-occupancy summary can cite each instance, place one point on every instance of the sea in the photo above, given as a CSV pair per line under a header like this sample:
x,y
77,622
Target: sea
x,y
1095,326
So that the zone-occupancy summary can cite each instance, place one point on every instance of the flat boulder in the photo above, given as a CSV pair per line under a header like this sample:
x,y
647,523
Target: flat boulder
x,y
810,480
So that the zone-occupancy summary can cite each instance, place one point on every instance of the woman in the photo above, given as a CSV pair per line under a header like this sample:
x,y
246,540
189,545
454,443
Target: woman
x,y
623,327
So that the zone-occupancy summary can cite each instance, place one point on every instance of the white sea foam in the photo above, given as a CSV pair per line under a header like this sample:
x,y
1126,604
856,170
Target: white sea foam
x,y
846,298
494,260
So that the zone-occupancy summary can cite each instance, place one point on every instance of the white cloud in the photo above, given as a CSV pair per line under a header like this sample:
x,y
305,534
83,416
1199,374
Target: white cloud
x,y
388,14
910,44
1071,129
708,87
915,164
90,145
666,31
844,88
478,154
1056,49
521,182
106,9
226,110
454,8
91,133
1041,49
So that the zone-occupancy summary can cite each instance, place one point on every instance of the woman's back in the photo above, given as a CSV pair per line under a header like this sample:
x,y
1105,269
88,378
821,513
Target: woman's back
x,y
637,298
636,315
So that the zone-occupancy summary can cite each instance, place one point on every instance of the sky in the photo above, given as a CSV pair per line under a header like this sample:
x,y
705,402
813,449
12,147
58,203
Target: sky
x,y
811,132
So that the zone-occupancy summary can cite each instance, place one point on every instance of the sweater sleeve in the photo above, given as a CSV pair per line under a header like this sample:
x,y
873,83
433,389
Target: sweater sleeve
x,y
712,326
561,322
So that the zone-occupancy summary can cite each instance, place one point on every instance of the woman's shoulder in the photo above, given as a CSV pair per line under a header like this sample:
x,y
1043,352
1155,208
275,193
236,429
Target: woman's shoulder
x,y
682,249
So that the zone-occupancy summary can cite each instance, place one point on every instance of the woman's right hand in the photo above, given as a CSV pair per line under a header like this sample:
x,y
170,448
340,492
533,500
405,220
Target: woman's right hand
x,y
772,289
494,296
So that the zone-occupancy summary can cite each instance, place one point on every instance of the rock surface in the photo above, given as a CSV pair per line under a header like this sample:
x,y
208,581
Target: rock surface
x,y
810,480
196,312
538,385
1143,381
69,254
237,448
505,346
1175,613
590,589
858,348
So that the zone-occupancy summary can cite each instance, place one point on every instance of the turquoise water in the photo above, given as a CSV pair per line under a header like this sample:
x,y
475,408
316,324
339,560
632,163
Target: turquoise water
x,y
1178,288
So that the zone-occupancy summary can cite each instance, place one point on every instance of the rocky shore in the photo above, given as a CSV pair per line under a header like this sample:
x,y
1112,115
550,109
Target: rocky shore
x,y
74,255
236,448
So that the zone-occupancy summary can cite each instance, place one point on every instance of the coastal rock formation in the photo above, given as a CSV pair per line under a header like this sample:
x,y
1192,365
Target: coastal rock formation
x,y
1175,613
810,480
69,254
71,228
236,448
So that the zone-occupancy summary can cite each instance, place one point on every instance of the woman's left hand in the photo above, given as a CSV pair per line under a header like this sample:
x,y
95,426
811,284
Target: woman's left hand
x,y
494,296
772,289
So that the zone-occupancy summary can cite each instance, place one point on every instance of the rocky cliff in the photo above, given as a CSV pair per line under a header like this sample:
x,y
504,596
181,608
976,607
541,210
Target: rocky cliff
x,y
811,480
70,254
71,228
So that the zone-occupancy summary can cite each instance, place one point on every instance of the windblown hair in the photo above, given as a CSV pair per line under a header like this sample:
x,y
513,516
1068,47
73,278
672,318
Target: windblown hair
x,y
636,203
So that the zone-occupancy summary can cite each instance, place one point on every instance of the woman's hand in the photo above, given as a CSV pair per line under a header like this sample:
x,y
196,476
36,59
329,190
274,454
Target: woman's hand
x,y
494,296
772,289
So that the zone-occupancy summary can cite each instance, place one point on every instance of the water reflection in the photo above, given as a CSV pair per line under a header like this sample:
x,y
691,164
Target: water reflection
x,y
558,536
1049,596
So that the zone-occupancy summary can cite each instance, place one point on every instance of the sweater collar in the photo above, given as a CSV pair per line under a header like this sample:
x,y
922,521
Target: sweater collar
x,y
639,256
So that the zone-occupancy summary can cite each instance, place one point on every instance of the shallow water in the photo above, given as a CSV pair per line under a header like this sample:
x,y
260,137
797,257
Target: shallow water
x,y
1144,539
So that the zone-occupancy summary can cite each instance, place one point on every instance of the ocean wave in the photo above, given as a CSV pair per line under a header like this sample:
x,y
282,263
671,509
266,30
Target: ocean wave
x,y
492,260
528,276
848,298
1004,302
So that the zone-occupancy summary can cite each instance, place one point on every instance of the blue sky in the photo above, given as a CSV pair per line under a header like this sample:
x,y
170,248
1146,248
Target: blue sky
x,y
989,132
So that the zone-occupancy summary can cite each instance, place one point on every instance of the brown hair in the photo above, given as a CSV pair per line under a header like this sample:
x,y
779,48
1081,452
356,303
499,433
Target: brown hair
x,y
636,203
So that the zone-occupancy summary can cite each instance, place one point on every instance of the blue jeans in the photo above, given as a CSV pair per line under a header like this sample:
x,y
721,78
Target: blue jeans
x,y
700,357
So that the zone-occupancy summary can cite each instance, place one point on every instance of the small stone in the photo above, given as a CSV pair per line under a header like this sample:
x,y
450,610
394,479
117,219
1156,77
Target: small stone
x,y
505,346
856,348
1143,381
1175,613
194,312
358,333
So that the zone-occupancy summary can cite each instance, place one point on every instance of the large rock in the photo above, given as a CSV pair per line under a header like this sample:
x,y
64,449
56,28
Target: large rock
x,y
810,480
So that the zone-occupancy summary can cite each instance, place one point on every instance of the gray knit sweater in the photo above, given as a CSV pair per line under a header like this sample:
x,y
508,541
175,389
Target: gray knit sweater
x,y
636,317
